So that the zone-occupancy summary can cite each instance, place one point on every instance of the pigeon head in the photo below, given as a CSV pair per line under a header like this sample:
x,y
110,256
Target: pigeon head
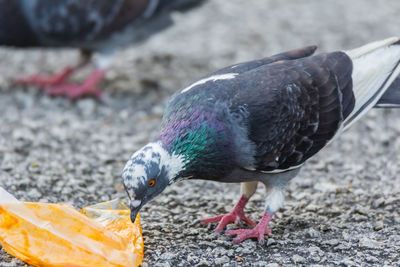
x,y
148,172
194,142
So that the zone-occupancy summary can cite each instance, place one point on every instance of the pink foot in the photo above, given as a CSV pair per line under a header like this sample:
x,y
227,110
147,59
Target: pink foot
x,y
257,232
234,216
46,81
75,91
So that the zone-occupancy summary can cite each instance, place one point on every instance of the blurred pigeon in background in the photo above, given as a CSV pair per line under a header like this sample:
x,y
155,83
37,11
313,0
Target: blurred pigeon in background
x,y
91,25
260,121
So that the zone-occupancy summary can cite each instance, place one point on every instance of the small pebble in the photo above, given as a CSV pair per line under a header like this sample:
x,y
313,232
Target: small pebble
x,y
298,259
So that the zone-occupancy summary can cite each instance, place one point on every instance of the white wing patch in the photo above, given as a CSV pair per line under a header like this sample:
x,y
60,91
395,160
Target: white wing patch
x,y
284,170
213,78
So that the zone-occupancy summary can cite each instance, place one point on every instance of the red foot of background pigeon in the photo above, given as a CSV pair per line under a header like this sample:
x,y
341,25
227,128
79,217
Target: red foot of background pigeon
x,y
259,231
47,81
75,91
56,85
234,216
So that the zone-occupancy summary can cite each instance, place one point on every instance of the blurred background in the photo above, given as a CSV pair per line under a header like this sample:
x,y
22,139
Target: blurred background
x,y
344,206
218,34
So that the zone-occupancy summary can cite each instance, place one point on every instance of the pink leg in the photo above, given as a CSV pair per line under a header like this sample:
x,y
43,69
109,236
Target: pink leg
x,y
235,215
45,81
259,231
75,91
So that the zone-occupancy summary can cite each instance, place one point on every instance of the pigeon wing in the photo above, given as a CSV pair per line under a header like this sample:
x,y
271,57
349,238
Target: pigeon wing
x,y
250,65
295,107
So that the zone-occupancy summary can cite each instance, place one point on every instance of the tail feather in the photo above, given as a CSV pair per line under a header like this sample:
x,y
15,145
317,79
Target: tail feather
x,y
391,98
375,66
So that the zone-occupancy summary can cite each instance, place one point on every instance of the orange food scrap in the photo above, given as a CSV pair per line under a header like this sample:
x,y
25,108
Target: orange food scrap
x,y
239,259
43,234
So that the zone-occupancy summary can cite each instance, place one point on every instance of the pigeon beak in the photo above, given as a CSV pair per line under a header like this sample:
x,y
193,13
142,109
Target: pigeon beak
x,y
135,206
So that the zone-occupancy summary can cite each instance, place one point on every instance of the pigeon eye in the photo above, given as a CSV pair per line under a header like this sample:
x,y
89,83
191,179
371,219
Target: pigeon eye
x,y
151,183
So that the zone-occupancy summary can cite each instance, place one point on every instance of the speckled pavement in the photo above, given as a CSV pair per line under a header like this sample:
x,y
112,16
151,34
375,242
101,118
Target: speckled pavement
x,y
343,209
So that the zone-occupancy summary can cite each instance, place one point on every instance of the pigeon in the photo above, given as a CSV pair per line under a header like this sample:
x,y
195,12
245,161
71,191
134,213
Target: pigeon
x,y
259,122
91,25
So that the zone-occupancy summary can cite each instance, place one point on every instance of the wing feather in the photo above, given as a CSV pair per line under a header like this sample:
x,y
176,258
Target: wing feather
x,y
296,107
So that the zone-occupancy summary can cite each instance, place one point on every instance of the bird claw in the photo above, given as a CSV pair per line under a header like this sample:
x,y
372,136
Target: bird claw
x,y
46,81
258,231
73,91
243,234
56,84
234,216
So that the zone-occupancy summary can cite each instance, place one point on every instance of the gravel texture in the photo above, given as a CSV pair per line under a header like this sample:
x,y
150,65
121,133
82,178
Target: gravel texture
x,y
343,208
